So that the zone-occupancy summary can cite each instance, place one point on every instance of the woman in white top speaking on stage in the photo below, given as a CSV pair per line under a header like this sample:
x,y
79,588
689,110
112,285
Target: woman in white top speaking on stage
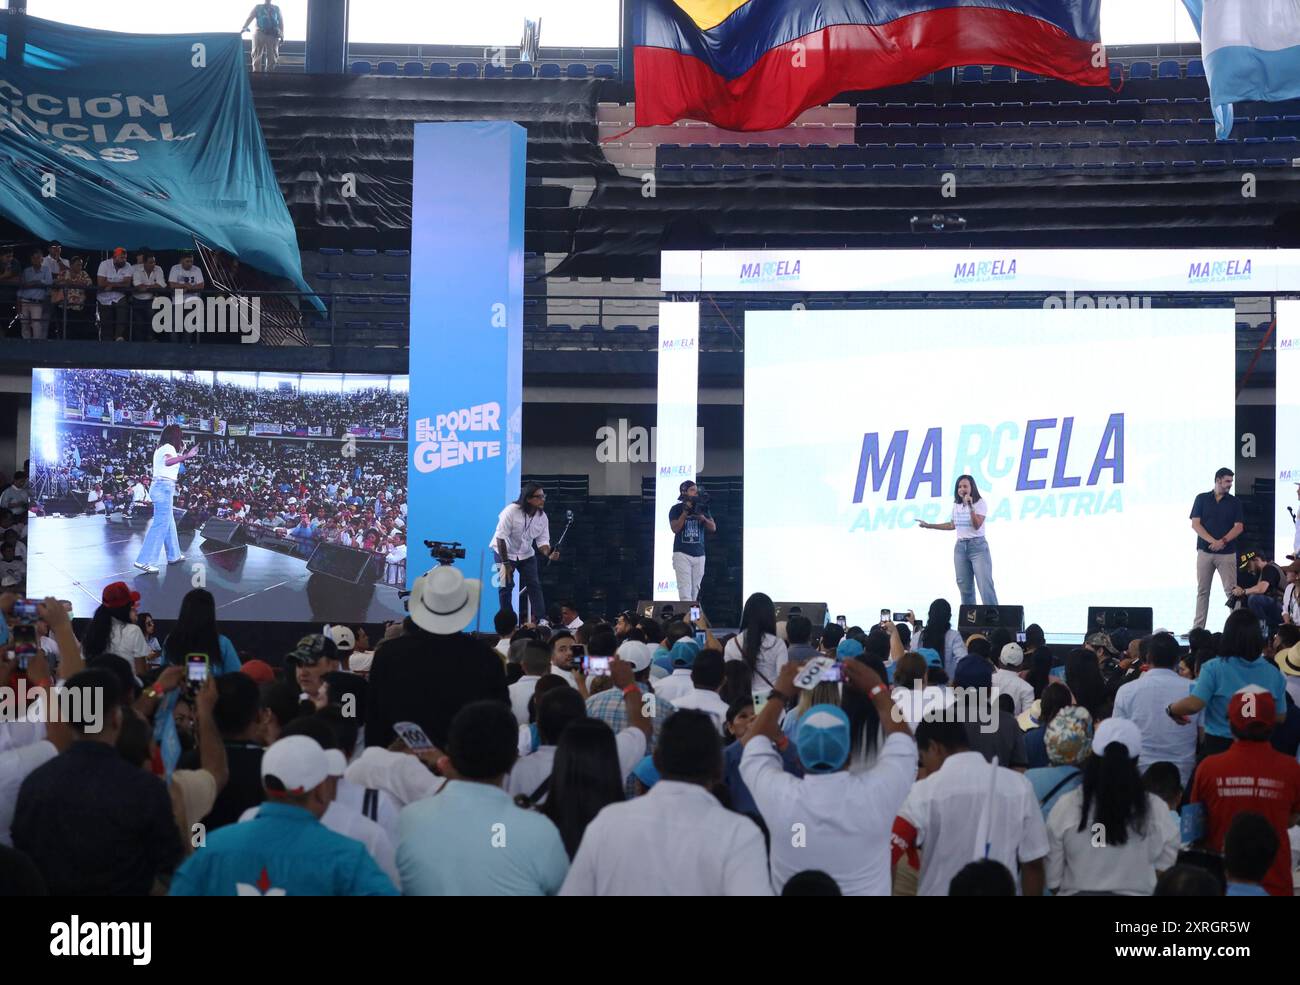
x,y
162,528
971,555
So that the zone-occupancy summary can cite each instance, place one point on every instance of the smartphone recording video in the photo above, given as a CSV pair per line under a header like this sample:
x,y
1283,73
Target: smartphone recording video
x,y
596,666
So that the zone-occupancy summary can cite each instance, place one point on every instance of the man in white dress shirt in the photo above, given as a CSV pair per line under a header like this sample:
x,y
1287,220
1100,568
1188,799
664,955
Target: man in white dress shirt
x,y
521,525
677,840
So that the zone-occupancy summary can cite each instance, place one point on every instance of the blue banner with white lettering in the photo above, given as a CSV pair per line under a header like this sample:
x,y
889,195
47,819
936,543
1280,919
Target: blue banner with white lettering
x,y
113,139
467,299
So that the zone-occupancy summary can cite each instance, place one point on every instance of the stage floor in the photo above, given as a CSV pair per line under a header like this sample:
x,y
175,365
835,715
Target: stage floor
x,y
75,557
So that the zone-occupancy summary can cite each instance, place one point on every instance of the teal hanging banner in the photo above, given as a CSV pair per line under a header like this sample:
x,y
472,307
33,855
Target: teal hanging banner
x,y
113,139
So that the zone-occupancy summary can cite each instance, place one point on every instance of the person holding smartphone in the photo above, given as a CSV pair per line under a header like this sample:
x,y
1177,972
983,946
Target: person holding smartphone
x,y
971,558
689,521
161,535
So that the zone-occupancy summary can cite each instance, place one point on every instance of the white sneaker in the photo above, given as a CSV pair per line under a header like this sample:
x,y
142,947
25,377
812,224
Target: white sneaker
x,y
148,569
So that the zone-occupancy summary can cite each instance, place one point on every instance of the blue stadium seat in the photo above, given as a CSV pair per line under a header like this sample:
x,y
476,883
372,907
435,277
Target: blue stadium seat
x,y
362,68
1116,72
1091,165
413,69
365,253
491,71
707,167
1169,70
576,70
360,276
396,278
1277,162
1266,119
1033,167
357,326
398,253
734,167
440,70
329,275
522,70
1028,77
387,68
1139,70
906,167
1000,73
1196,69
393,326
604,70
550,70
971,73
394,299
467,70
330,251
762,167
1184,164
1214,162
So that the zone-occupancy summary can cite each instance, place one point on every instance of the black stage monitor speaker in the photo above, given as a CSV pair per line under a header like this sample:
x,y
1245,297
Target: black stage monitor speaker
x,y
982,618
649,608
222,531
344,563
815,612
178,515
1137,621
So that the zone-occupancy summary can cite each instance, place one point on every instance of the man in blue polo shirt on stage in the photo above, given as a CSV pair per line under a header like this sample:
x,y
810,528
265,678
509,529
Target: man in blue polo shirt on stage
x,y
285,850
1218,520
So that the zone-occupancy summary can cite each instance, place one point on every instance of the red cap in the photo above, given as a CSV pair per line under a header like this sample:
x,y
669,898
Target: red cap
x,y
118,596
258,670
119,251
1252,710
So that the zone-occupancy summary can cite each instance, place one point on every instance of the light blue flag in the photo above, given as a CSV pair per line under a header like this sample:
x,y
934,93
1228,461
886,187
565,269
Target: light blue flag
x,y
1251,51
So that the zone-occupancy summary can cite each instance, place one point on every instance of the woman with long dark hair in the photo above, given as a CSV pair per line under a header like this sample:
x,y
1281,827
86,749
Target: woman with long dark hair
x,y
161,535
970,556
757,643
1236,665
1083,678
196,632
938,635
1109,837
585,779
113,629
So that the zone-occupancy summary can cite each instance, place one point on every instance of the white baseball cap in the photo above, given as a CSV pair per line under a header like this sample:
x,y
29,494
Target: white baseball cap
x,y
342,636
1120,730
1012,655
636,653
299,764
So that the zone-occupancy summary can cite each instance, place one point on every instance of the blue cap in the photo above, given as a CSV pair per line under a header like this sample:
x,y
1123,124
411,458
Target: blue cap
x,y
684,653
662,658
848,649
973,671
823,738
646,772
932,656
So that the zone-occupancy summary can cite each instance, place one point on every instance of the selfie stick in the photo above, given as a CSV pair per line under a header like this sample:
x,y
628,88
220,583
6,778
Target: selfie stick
x,y
568,516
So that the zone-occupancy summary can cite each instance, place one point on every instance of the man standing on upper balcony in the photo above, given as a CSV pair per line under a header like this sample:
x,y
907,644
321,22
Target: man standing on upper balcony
x,y
267,36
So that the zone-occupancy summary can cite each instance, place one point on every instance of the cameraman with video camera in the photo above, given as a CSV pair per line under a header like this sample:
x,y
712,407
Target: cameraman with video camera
x,y
689,519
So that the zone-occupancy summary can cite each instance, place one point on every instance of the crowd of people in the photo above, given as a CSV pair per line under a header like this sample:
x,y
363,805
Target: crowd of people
x,y
654,757
285,488
49,295
15,500
196,399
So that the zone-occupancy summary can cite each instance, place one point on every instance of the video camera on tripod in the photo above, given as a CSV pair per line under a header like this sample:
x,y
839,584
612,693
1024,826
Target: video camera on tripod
x,y
445,552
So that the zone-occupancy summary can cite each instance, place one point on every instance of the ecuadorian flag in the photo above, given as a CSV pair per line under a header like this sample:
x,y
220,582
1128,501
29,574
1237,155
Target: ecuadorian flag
x,y
757,64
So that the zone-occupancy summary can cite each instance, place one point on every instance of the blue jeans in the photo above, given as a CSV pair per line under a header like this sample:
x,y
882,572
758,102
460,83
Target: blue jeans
x,y
162,528
974,567
1266,609
530,587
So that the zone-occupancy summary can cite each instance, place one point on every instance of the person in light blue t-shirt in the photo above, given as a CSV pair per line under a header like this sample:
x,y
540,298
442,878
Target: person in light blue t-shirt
x,y
1227,674
470,838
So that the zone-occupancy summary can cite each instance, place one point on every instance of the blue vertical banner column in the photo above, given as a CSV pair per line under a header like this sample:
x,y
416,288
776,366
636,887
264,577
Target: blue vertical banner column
x,y
467,300
675,442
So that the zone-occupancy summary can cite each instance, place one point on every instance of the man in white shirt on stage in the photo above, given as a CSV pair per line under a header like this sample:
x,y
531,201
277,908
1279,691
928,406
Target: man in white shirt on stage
x,y
520,526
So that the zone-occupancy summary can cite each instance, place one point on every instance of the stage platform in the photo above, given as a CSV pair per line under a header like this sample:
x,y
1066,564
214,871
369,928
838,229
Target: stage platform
x,y
249,583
